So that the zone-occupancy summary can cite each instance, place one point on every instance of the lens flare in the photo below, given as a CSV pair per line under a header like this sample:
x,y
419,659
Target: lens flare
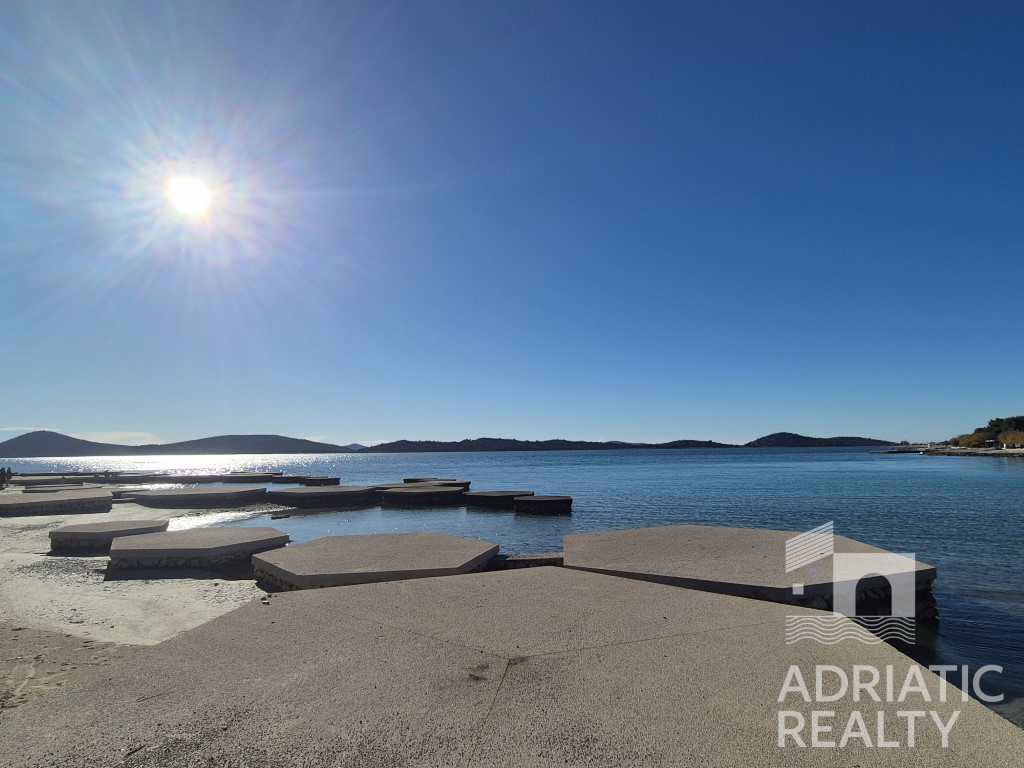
x,y
190,195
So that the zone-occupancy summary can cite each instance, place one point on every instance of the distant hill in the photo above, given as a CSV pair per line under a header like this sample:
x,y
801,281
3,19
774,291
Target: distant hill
x,y
791,440
53,444
355,446
46,443
508,444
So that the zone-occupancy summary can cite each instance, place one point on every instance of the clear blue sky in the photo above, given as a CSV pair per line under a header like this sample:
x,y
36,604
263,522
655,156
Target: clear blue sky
x,y
593,220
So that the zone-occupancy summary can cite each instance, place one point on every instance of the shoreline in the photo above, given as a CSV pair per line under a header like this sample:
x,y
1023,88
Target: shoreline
x,y
61,617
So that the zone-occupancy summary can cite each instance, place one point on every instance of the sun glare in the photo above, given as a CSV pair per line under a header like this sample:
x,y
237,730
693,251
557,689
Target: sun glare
x,y
190,195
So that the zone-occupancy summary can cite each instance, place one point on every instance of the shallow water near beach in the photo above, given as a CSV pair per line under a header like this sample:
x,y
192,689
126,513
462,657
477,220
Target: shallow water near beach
x,y
963,515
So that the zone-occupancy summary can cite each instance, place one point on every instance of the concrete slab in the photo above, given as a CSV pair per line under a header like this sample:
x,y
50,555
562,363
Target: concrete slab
x,y
422,495
735,561
96,537
534,667
321,480
325,496
248,477
542,505
341,560
503,499
56,503
201,498
61,487
282,479
193,548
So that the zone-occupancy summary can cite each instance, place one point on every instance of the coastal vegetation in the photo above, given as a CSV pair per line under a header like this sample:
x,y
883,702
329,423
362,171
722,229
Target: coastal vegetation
x,y
1008,431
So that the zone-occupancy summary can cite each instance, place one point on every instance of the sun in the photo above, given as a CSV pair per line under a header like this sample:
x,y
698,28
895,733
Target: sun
x,y
190,195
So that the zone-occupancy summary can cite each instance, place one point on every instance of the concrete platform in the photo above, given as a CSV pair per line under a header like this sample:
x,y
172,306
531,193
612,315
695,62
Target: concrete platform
x,y
342,560
97,537
25,480
539,667
201,498
56,503
425,479
61,487
733,561
503,499
321,480
248,477
209,548
421,494
282,479
543,505
325,496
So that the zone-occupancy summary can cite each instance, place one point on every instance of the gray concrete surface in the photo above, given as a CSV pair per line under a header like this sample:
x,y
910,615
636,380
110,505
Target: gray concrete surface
x,y
55,503
745,562
202,498
193,548
324,496
343,560
97,537
535,667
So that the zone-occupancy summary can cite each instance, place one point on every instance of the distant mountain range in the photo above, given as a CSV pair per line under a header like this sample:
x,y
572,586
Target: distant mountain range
x,y
49,444
43,444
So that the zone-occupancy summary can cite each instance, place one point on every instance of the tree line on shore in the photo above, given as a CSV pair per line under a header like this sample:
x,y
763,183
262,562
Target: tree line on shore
x,y
1008,431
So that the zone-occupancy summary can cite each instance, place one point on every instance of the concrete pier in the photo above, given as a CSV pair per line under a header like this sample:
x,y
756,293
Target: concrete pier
x,y
502,499
207,548
345,560
97,537
543,505
55,503
744,562
421,494
201,498
325,496
321,480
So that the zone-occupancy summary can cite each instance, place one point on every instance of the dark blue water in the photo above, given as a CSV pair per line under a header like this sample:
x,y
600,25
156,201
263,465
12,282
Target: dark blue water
x,y
963,515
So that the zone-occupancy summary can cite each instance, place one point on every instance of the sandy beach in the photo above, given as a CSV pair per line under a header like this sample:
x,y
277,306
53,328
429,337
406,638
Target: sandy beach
x,y
61,617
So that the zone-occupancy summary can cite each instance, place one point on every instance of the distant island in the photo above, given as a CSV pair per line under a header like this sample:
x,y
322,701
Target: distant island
x,y
43,443
46,444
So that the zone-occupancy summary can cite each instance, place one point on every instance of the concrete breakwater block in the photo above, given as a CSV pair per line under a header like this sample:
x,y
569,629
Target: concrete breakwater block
x,y
194,548
421,494
543,505
282,479
325,496
745,562
61,487
248,477
56,503
97,537
343,560
321,480
46,480
531,667
201,498
502,499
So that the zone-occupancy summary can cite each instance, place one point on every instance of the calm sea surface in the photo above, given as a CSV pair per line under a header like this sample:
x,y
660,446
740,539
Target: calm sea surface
x,y
963,515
